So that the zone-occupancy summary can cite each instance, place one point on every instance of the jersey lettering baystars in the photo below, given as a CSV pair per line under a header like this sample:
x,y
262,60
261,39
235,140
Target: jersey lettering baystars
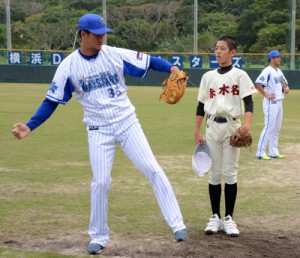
x,y
99,83
103,80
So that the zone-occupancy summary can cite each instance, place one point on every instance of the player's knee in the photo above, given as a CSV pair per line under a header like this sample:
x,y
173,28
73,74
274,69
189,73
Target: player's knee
x,y
101,184
215,177
230,178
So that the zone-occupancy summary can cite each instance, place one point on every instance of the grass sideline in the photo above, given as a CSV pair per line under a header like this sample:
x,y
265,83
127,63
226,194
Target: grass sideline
x,y
45,178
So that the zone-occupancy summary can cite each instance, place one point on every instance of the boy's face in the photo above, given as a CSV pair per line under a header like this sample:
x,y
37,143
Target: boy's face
x,y
223,54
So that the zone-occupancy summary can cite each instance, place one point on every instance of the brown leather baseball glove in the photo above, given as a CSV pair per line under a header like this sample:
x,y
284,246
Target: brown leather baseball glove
x,y
171,92
237,140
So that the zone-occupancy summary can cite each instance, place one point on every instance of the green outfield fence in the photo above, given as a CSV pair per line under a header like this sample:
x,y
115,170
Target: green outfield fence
x,y
20,65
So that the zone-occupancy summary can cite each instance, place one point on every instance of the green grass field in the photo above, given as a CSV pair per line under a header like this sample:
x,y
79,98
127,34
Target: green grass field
x,y
45,178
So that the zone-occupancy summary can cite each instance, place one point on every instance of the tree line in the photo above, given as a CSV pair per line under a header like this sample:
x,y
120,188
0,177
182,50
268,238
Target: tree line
x,y
154,26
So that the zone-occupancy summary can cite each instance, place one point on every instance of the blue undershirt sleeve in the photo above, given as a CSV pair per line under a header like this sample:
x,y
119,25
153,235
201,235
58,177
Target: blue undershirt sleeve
x,y
159,64
42,114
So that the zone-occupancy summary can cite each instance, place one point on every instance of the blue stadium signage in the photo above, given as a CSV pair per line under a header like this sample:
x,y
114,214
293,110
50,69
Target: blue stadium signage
x,y
195,61
236,61
56,58
176,60
14,57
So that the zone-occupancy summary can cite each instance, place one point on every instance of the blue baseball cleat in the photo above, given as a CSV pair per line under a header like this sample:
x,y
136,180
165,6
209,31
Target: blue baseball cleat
x,y
94,248
181,235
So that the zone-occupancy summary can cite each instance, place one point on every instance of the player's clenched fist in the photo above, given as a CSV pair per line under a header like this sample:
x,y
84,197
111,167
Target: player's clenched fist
x,y
20,130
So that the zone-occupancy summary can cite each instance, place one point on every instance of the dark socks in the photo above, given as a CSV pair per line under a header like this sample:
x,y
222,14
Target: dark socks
x,y
215,198
230,198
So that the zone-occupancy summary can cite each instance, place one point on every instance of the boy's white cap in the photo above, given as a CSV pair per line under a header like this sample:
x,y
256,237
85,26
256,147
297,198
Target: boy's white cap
x,y
201,160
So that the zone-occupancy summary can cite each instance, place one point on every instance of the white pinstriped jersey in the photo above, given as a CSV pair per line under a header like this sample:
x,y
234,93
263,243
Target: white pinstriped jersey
x,y
222,94
270,78
99,83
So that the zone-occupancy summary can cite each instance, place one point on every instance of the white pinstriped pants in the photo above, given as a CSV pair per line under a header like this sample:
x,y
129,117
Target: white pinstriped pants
x,y
102,143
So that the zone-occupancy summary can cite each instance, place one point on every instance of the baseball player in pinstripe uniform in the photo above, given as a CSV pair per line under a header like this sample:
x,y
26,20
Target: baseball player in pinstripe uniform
x,y
225,95
96,74
272,84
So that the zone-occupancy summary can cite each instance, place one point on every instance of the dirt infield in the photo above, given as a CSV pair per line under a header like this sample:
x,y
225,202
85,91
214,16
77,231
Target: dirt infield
x,y
251,243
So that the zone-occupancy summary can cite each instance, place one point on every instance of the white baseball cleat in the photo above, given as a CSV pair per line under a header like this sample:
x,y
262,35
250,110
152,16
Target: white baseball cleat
x,y
214,225
230,227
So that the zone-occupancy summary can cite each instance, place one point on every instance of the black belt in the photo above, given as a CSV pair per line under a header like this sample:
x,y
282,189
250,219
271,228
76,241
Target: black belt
x,y
220,119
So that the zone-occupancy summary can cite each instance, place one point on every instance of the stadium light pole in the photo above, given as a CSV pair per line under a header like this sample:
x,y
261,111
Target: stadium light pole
x,y
195,26
8,26
293,35
104,16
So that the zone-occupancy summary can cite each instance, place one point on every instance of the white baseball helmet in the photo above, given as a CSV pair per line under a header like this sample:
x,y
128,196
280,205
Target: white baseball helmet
x,y
201,160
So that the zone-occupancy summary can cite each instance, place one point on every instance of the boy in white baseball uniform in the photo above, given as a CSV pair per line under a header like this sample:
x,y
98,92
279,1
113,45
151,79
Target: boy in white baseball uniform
x,y
96,74
272,84
223,93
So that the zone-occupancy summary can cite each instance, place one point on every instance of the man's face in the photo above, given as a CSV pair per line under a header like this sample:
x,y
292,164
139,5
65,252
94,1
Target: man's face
x,y
92,42
223,53
276,61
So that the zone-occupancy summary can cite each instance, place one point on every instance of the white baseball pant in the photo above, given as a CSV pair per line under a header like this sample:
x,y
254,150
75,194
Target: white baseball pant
x,y
102,143
273,113
224,157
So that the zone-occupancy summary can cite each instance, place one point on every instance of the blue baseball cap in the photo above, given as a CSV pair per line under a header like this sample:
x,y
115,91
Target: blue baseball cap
x,y
273,53
93,23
